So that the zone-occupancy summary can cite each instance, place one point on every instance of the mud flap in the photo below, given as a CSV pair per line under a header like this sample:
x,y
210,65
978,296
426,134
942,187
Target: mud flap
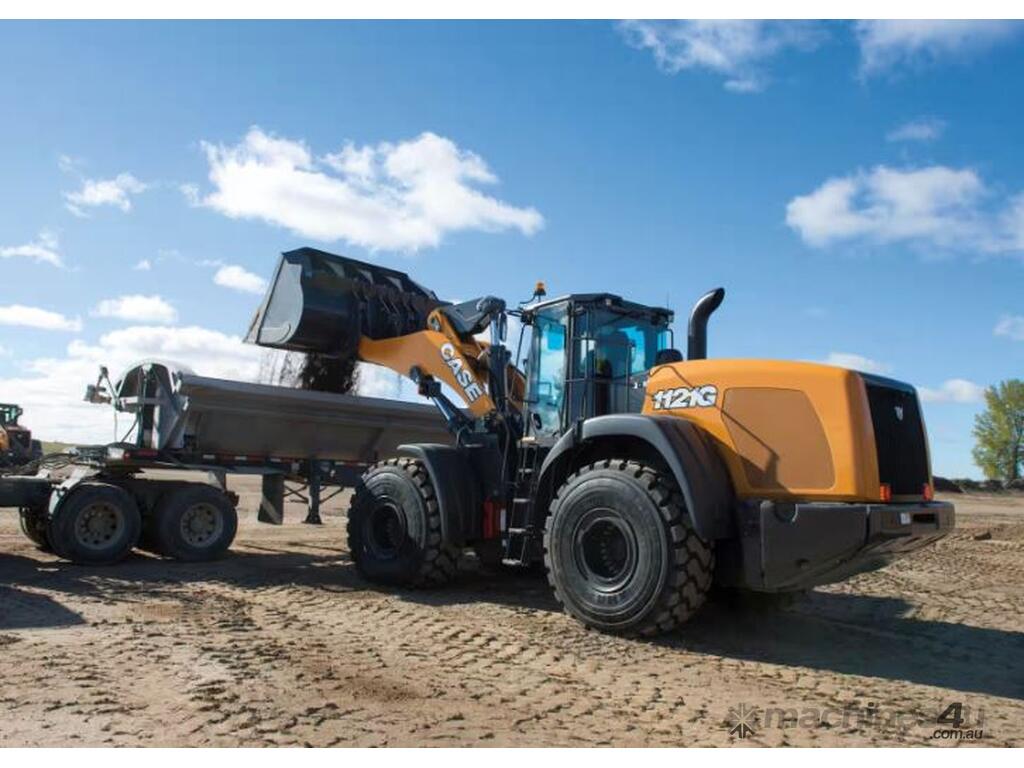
x,y
272,500
458,490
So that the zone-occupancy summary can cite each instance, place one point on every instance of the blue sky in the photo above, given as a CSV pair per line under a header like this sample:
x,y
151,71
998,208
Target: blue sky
x,y
856,188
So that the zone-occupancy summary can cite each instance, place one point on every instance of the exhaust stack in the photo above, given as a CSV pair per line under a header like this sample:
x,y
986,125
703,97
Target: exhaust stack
x,y
697,332
321,303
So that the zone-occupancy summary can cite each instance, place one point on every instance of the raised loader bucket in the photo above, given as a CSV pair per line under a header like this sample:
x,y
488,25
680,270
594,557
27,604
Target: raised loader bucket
x,y
323,303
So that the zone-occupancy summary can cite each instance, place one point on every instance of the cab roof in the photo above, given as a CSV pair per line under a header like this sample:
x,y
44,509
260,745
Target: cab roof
x,y
610,301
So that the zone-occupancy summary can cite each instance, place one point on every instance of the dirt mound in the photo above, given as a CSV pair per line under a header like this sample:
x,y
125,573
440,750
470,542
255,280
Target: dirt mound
x,y
945,485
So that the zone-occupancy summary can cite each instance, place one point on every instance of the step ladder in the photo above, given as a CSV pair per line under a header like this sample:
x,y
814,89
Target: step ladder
x,y
520,534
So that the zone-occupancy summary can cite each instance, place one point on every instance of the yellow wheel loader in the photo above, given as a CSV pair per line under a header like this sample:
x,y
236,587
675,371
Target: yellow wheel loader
x,y
16,444
636,476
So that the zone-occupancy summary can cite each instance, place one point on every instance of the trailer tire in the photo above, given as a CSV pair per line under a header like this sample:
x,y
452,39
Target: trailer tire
x,y
394,527
34,525
621,553
97,524
192,523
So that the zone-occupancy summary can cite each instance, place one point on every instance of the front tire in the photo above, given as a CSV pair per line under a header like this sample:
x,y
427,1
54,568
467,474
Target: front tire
x,y
394,527
97,524
621,553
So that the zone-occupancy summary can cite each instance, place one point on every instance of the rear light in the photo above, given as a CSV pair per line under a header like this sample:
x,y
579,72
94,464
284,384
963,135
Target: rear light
x,y
141,453
928,492
885,492
492,519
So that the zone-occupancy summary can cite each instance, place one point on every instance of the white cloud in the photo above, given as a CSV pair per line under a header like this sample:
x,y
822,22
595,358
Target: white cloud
x,y
403,196
51,389
34,317
857,362
937,206
377,381
1011,326
143,265
892,43
45,249
736,50
68,164
239,279
96,192
137,308
953,391
919,129
1011,223
191,194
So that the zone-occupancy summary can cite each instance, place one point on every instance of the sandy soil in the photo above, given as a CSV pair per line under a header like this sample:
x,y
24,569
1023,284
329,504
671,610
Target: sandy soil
x,y
282,643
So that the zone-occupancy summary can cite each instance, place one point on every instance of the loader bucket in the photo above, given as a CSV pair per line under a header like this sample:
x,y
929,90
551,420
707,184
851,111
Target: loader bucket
x,y
322,303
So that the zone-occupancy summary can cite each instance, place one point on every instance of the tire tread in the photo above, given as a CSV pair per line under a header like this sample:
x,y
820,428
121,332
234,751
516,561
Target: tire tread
x,y
692,562
440,560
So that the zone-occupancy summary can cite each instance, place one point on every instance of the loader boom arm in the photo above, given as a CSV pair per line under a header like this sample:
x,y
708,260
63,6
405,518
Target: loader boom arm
x,y
434,354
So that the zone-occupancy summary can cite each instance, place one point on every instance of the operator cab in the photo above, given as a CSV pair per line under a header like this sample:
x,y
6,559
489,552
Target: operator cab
x,y
589,356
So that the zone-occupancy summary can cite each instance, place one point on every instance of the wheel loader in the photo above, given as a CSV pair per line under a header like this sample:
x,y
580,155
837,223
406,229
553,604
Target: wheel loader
x,y
638,477
16,444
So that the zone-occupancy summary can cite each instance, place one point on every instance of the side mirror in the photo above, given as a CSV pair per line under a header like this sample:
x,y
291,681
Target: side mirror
x,y
96,394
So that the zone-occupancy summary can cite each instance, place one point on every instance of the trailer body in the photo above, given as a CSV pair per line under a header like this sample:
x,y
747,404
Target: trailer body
x,y
180,411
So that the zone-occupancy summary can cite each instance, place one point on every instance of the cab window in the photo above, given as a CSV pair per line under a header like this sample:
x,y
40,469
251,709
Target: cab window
x,y
547,382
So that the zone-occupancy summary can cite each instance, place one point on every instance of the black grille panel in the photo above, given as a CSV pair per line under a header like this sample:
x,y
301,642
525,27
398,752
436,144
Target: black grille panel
x,y
899,436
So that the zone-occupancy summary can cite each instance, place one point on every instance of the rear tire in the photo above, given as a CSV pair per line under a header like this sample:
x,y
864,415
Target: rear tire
x,y
97,524
192,523
621,553
394,527
34,525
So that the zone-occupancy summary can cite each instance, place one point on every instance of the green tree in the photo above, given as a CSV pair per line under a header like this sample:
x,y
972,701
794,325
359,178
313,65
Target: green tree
x,y
999,431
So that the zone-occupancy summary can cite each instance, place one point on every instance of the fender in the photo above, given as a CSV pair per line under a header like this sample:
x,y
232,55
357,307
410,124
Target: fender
x,y
456,485
685,449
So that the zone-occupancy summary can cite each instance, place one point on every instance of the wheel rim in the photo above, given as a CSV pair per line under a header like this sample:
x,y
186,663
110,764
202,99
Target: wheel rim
x,y
201,524
385,531
604,548
99,524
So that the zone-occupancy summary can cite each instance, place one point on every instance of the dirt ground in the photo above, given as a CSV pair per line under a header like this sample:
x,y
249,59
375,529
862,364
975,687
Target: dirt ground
x,y
282,643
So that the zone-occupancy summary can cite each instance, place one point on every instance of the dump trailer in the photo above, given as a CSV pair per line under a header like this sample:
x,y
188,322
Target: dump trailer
x,y
92,505
638,476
